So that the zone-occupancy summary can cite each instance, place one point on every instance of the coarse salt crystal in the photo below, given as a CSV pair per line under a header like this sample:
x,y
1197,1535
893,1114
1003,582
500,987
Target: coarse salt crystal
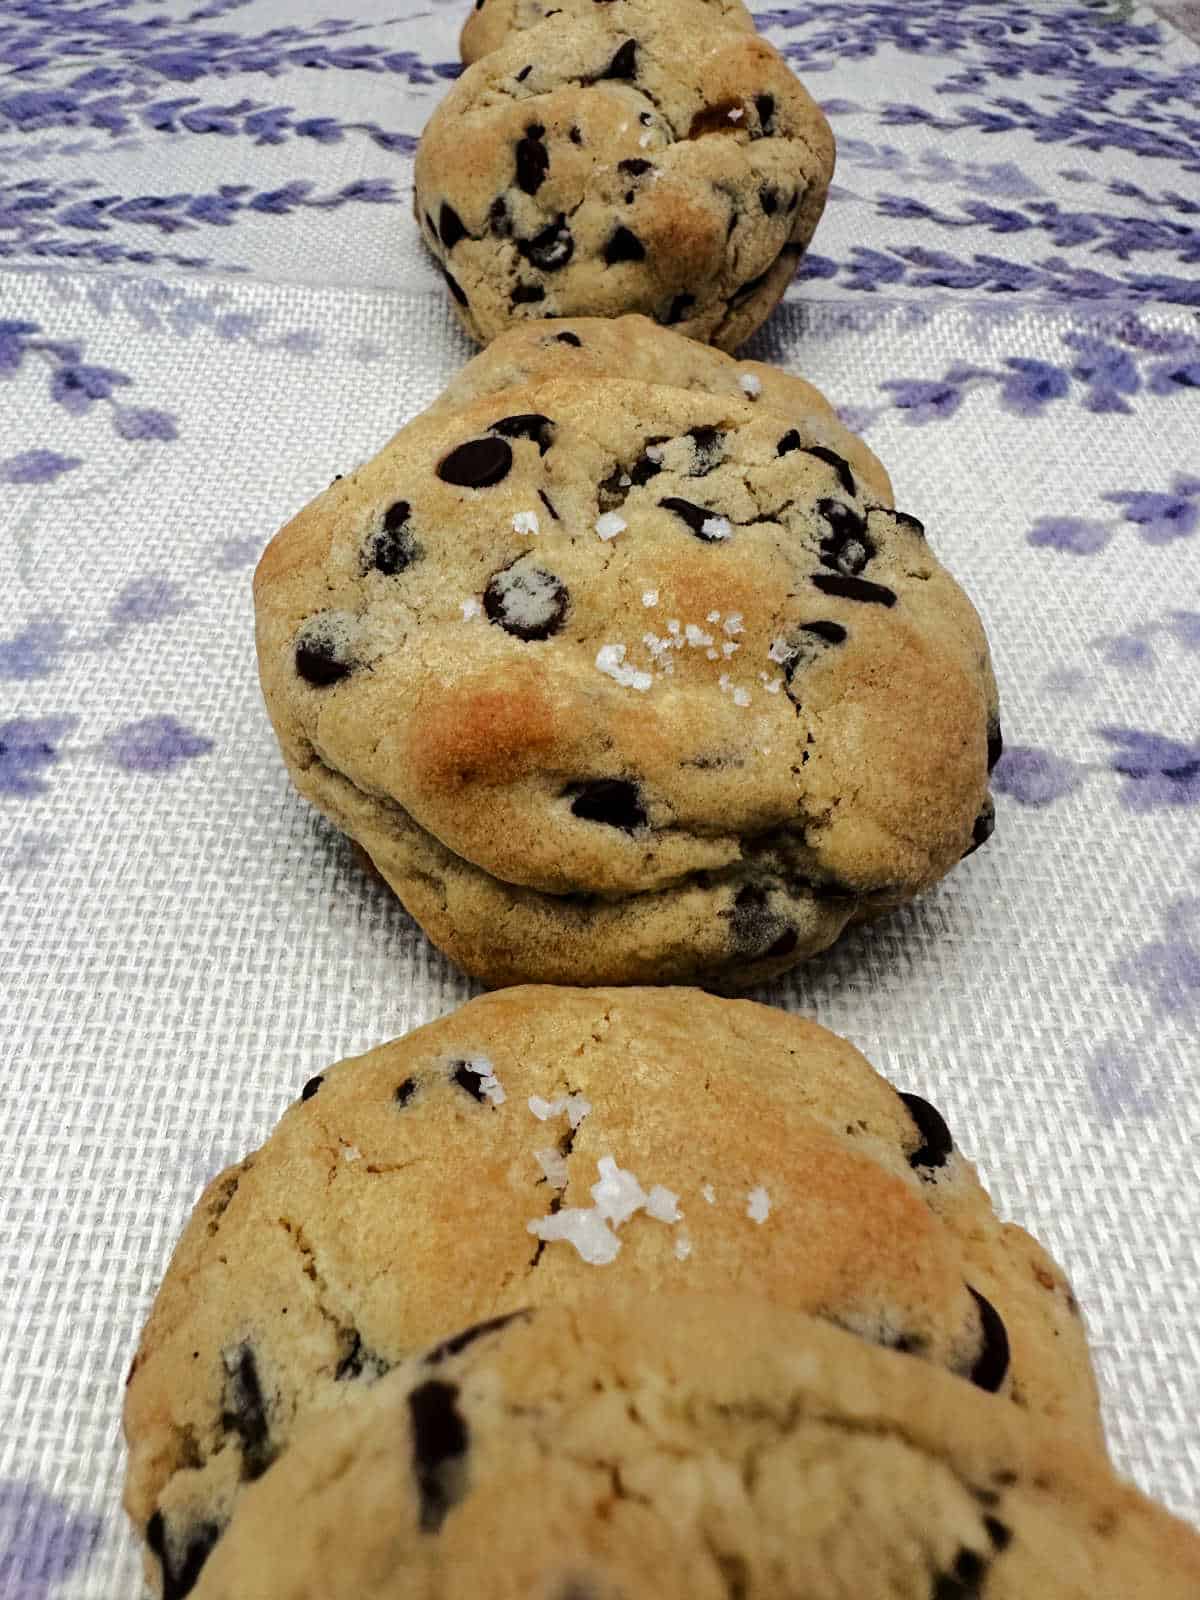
x,y
625,481
583,1227
758,1204
750,384
654,452
489,1083
736,114
709,1193
576,1107
554,1167
471,608
771,685
525,522
716,527
741,697
733,623
724,682
663,1204
609,525
713,616
728,648
781,651
696,637
649,597
683,1245
713,655
351,1152
617,1193
673,625
610,659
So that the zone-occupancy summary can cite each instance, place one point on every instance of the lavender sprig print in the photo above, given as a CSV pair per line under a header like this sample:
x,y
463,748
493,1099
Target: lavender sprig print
x,y
42,1541
1159,518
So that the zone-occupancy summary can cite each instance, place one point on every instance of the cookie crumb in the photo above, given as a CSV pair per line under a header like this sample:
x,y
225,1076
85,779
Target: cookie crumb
x,y
610,659
525,522
758,1204
609,524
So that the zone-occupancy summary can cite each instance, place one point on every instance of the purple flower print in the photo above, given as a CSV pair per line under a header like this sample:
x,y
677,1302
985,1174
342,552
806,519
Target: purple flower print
x,y
37,466
1074,535
27,746
1115,1075
144,424
1162,518
149,599
154,744
41,1541
35,651
76,387
925,401
1031,385
1170,967
1159,771
1035,777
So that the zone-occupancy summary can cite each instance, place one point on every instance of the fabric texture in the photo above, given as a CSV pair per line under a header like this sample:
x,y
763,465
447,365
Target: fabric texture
x,y
213,298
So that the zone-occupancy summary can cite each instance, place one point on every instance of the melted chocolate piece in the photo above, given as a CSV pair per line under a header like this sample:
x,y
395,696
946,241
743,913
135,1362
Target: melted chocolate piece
x,y
439,1443
613,801
839,464
498,217
678,309
936,1143
245,1411
359,1360
848,546
624,64
830,632
318,661
811,640
624,245
768,199
991,1365
571,339
528,294
995,742
709,446
478,1330
911,523
450,226
527,602
965,1582
405,1091
311,1087
984,827
181,1568
466,1077
524,73
527,425
853,589
533,159
576,136
634,167
695,516
764,104
392,547
477,464
789,442
546,501
551,249
716,119
455,288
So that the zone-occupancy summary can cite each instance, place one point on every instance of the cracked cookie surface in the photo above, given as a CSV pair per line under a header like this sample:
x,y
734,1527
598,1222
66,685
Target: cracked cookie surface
x,y
492,21
541,1144
630,158
623,683
694,1449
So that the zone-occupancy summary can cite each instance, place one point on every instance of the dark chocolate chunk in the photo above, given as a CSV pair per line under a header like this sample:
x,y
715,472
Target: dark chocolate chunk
x,y
839,464
830,632
695,516
450,226
181,1567
716,119
431,224
244,1411
965,1582
764,104
645,467
709,447
678,309
983,829
455,288
524,73
936,1143
789,442
911,523
853,589
527,425
551,249
527,602
392,548
533,159
811,640
847,547
576,136
498,217
614,801
995,742
528,294
634,166
311,1087
405,1091
478,1330
359,1360
469,1078
624,64
768,199
991,1365
439,1443
546,501
624,245
477,464
318,659
570,338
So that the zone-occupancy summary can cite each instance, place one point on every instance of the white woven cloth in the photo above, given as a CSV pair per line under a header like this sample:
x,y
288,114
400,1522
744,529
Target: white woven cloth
x,y
212,299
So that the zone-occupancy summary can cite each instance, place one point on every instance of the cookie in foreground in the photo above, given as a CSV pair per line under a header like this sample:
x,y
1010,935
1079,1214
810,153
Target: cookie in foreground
x,y
539,1146
619,682
633,156
683,1448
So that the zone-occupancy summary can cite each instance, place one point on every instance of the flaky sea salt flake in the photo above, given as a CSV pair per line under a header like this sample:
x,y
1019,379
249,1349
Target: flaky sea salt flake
x,y
583,1227
683,1245
733,623
649,597
609,524
696,636
736,114
758,1204
525,522
716,528
781,651
709,1193
741,697
554,1167
713,616
750,384
471,608
663,1204
610,659
617,1194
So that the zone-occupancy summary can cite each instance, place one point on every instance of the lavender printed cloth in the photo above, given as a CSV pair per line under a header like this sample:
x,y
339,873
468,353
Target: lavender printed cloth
x,y
212,299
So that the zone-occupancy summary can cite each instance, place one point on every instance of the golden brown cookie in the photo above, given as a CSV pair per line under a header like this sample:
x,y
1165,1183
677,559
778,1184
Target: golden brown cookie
x,y
492,21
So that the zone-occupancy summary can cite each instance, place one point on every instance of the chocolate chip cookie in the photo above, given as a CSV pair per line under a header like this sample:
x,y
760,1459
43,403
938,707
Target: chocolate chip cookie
x,y
491,21
543,1144
687,1447
624,683
631,157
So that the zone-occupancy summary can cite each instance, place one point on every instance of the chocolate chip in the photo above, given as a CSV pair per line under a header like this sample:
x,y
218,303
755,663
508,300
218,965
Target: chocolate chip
x,y
848,546
624,64
533,159
477,464
715,119
995,742
576,136
527,602
498,217
571,339
439,1442
431,224
768,199
551,249
998,1532
450,226
789,442
624,245
613,801
634,167
936,1143
709,447
839,464
527,425
405,1091
358,1360
811,641
830,632
695,516
764,104
455,288
983,828
392,548
645,467
469,1078
991,1365
678,309
244,1411
546,501
311,1087
459,1342
524,73
911,523
527,294
181,1567
965,1582
853,589
319,660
